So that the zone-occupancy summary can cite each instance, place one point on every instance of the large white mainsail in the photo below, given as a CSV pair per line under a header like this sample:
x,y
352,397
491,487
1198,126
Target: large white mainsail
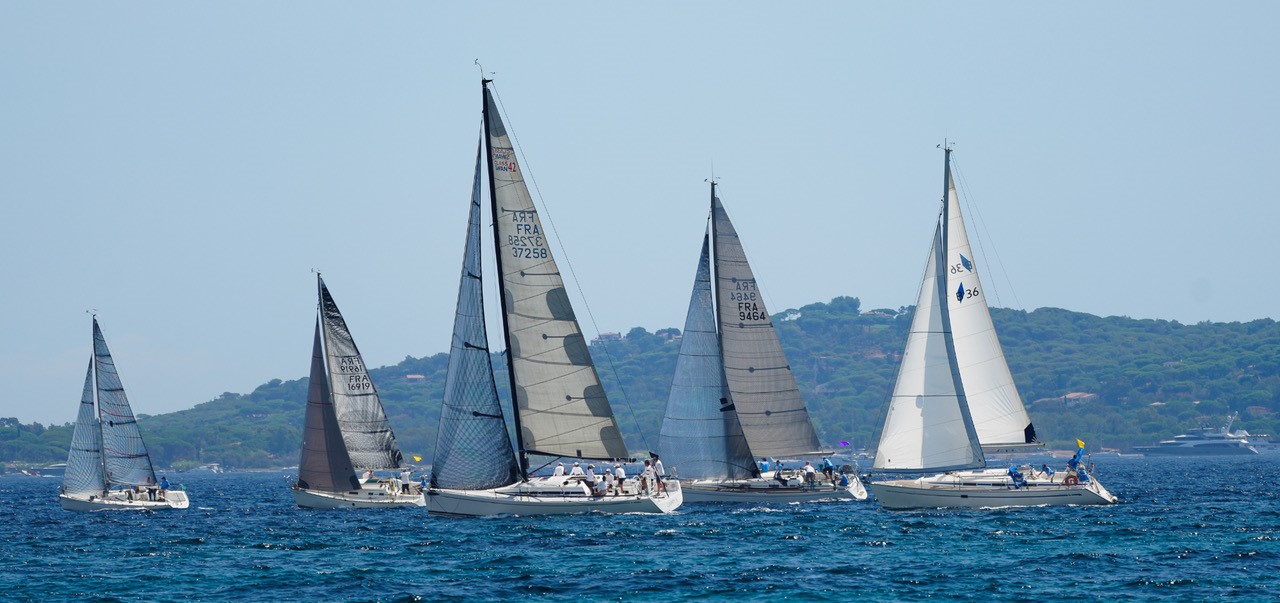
x,y
126,459
761,385
85,475
999,416
928,426
562,405
700,431
364,424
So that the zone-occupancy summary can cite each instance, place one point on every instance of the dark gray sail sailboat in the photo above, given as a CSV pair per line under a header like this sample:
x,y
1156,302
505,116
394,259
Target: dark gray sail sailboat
x,y
108,467
559,408
340,387
733,396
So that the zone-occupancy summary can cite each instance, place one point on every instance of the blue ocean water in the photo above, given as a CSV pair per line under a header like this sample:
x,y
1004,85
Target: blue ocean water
x,y
1186,530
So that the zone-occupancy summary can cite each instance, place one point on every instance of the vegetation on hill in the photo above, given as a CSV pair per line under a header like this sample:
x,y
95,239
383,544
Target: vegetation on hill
x,y
1112,381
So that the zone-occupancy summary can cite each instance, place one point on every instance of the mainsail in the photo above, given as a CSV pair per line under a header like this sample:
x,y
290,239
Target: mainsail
x,y
473,450
325,464
126,459
84,475
999,416
700,430
761,385
364,424
563,410
928,427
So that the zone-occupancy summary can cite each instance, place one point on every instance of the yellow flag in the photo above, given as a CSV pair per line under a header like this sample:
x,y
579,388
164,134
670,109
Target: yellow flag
x,y
418,459
1080,442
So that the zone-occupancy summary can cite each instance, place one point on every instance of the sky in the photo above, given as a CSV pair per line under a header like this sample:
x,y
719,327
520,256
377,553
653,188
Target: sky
x,y
181,168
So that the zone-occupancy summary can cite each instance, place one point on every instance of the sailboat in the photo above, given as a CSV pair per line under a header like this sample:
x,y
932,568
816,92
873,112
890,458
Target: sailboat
x,y
108,467
733,397
559,408
955,400
345,427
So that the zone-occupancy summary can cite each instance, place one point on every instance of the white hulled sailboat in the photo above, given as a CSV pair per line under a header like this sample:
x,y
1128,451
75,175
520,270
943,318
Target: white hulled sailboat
x,y
108,467
345,426
734,397
955,397
559,407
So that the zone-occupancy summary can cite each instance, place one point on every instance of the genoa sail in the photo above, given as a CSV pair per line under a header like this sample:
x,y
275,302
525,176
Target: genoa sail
x,y
700,430
125,455
563,410
325,464
761,385
364,424
473,449
928,426
84,475
999,415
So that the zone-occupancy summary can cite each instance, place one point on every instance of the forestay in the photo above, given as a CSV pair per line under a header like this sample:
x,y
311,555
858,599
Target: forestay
x,y
761,385
473,450
324,465
563,408
700,431
84,474
999,416
126,459
364,424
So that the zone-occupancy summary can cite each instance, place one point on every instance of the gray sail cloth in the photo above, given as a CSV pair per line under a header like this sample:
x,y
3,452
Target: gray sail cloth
x,y
473,449
563,410
364,424
761,385
700,431
325,465
85,474
125,455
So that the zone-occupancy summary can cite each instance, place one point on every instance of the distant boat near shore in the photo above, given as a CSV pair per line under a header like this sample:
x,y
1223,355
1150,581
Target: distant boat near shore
x,y
1206,441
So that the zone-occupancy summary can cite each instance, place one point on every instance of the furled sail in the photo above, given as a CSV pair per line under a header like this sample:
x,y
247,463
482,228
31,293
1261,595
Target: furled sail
x,y
325,465
700,431
473,449
364,424
126,459
999,416
84,475
927,427
563,408
761,385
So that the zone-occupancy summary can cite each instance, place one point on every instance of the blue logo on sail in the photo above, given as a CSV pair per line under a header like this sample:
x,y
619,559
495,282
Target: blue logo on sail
x,y
960,293
964,261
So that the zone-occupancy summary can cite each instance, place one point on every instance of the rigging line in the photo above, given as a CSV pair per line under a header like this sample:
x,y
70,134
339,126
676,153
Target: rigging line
x,y
564,253
964,185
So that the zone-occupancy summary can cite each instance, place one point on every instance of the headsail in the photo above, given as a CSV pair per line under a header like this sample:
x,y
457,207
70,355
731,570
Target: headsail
x,y
126,459
999,416
761,385
84,475
928,427
473,450
700,430
325,464
563,410
364,424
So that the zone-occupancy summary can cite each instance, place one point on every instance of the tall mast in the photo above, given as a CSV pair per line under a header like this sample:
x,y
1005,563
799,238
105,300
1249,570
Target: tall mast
x,y
502,292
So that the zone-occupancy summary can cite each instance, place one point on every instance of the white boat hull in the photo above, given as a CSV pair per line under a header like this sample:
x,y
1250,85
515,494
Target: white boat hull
x,y
118,500
551,496
764,490
986,488
369,497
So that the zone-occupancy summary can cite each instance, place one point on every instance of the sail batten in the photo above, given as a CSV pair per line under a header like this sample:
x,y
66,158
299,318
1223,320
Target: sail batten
x,y
363,422
562,406
761,385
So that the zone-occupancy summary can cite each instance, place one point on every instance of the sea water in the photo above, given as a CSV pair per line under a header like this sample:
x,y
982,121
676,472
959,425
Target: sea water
x,y
1185,529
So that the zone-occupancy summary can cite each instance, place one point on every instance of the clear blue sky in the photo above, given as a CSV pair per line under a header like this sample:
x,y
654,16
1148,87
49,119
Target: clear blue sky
x,y
181,167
